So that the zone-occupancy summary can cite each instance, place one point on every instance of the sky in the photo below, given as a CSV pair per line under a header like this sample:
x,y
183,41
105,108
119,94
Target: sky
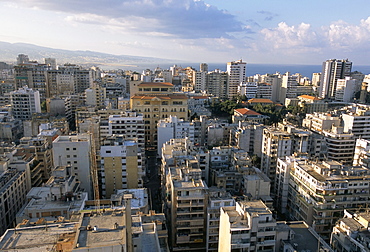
x,y
212,31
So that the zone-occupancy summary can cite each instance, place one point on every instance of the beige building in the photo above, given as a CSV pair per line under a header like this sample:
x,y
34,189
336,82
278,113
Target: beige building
x,y
351,233
111,230
320,121
312,104
121,165
319,192
217,198
248,226
157,100
187,203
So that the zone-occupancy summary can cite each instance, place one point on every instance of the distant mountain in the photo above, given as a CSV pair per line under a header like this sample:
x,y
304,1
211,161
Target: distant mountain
x,y
10,51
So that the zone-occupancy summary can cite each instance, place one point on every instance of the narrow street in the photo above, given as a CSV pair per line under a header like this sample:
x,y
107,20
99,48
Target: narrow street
x,y
152,182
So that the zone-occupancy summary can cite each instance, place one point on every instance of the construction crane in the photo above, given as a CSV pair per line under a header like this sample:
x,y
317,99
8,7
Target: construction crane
x,y
94,168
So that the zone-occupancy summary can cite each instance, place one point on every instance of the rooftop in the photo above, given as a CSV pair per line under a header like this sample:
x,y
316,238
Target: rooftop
x,y
260,100
309,97
245,111
155,84
37,238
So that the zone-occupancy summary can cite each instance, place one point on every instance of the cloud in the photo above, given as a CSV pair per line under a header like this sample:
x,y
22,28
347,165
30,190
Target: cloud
x,y
337,35
285,36
342,35
268,15
181,19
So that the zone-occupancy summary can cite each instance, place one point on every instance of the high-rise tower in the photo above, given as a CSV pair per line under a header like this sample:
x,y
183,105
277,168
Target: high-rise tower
x,y
332,70
237,72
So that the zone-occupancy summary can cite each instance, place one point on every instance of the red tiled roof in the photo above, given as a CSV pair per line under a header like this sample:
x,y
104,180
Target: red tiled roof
x,y
200,97
260,100
309,97
245,111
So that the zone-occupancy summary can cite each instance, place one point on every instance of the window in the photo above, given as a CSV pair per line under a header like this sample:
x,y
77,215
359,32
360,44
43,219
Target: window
x,y
74,149
177,102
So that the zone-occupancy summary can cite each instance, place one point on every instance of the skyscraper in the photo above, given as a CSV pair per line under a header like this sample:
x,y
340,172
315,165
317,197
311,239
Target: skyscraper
x,y
236,71
332,70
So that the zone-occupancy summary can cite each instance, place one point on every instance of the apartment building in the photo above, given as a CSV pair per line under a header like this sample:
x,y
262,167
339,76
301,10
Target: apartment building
x,y
157,101
128,124
356,119
217,198
248,226
121,165
25,102
13,191
186,208
236,71
279,142
75,151
320,191
351,233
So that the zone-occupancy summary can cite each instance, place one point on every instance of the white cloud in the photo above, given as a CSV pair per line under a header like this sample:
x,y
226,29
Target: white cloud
x,y
285,36
183,19
336,38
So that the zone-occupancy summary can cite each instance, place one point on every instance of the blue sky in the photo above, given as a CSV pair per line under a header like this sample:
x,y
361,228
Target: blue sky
x,y
268,31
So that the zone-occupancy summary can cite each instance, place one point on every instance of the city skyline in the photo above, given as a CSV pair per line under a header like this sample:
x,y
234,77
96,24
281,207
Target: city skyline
x,y
287,32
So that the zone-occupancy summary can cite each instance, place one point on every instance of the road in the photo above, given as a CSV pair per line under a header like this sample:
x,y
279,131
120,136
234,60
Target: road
x,y
153,182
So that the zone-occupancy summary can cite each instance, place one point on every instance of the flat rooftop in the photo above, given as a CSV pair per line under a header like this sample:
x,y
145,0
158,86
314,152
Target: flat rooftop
x,y
36,239
106,234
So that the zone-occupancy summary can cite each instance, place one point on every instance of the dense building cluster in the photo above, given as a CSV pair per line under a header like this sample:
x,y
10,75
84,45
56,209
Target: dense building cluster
x,y
182,159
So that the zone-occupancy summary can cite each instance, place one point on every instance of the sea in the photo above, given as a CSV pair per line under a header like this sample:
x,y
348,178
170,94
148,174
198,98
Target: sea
x,y
252,69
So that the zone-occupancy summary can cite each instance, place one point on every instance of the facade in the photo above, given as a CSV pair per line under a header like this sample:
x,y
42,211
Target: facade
x,y
248,136
157,101
217,83
96,96
186,208
172,127
346,89
362,153
248,226
356,119
320,191
318,122
217,198
332,71
351,233
13,191
25,102
129,125
33,75
121,165
75,151
279,142
340,145
236,71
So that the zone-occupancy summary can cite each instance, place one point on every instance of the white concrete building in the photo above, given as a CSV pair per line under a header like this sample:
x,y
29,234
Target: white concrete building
x,y
237,73
248,226
346,89
332,70
75,151
356,120
25,102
